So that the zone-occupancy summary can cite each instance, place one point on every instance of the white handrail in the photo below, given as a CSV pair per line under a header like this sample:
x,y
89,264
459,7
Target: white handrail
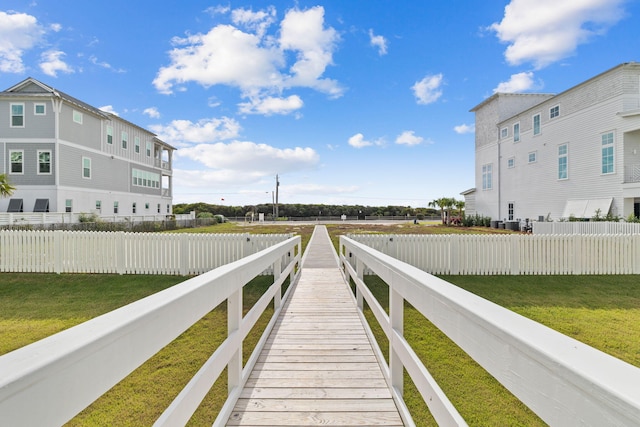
x,y
564,381
64,373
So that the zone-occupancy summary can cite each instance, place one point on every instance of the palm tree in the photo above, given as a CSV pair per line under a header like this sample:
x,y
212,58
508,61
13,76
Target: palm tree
x,y
6,189
460,206
441,203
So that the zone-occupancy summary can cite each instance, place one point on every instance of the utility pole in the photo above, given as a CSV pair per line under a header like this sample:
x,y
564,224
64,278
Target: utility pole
x,y
277,185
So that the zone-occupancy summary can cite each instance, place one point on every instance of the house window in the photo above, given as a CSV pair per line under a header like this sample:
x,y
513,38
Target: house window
x,y
109,134
17,115
516,132
86,167
511,162
536,124
554,112
115,207
125,137
133,207
136,144
142,178
68,205
504,132
146,206
510,209
17,161
99,205
607,153
168,209
158,207
77,117
148,149
563,161
533,156
39,109
44,162
487,178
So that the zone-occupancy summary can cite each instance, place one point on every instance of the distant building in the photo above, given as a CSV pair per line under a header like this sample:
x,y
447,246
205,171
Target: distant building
x,y
63,155
577,153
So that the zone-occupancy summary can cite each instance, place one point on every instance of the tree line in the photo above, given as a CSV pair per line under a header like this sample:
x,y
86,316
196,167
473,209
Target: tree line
x,y
304,210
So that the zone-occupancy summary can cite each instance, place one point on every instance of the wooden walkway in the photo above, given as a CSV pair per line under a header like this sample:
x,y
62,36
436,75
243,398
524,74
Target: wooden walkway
x,y
318,366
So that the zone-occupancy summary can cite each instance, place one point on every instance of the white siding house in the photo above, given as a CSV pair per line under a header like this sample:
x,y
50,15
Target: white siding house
x,y
543,156
63,155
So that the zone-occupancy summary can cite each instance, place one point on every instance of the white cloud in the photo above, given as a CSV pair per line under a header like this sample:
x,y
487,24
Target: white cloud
x,y
303,31
520,82
257,21
428,90
271,105
408,137
94,60
545,31
464,128
358,141
255,62
51,63
18,32
184,132
244,157
152,112
108,109
378,41
319,189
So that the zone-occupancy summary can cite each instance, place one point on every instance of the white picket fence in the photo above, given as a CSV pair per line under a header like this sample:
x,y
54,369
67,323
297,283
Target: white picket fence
x,y
590,227
511,253
126,253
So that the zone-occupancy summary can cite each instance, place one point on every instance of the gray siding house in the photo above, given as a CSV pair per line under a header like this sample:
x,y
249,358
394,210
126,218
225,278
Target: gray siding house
x,y
574,154
63,155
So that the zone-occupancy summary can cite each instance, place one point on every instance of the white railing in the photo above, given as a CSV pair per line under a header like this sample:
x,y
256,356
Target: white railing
x,y
564,381
48,382
125,253
631,173
590,227
48,218
511,253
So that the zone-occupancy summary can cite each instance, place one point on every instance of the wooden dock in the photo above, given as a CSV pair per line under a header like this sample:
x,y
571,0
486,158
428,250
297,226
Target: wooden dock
x,y
318,366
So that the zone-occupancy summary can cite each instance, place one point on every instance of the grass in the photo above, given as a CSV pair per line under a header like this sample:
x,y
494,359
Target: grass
x,y
603,311
55,302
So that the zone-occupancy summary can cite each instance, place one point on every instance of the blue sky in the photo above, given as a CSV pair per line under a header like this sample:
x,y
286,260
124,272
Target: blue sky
x,y
350,102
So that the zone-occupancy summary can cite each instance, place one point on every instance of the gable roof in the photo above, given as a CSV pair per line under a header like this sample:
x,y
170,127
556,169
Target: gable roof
x,y
33,87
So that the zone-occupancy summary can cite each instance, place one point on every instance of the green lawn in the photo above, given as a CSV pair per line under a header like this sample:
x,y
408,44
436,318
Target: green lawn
x,y
33,306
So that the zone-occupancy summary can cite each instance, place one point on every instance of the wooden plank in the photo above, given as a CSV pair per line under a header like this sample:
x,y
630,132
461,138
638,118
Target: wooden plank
x,y
305,375
315,393
315,405
313,358
316,382
315,418
317,366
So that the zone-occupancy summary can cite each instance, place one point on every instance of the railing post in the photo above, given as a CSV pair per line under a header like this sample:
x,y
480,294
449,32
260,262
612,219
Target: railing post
x,y
277,270
360,276
396,317
234,319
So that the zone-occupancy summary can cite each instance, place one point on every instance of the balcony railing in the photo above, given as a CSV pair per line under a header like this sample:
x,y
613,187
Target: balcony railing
x,y
632,173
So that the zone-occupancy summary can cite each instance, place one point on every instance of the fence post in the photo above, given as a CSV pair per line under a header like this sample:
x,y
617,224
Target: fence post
x,y
516,239
120,252
396,317
277,270
360,276
454,254
183,256
57,251
234,319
